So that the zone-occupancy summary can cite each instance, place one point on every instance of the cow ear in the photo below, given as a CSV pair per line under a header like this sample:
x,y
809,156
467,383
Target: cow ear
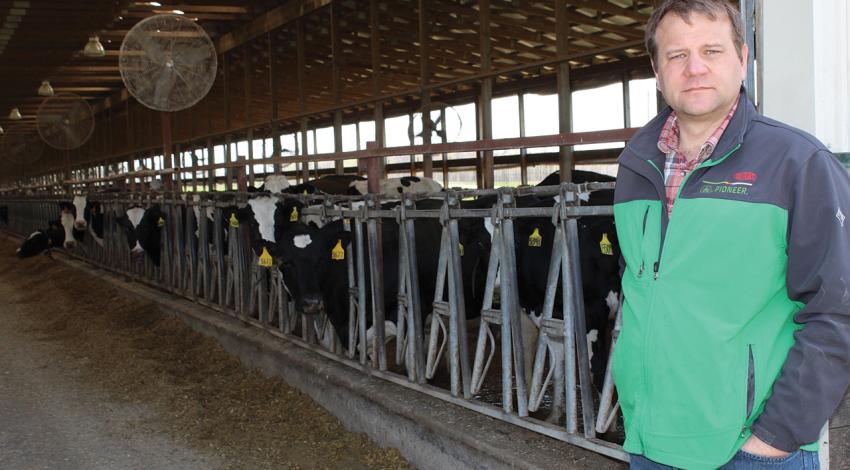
x,y
331,232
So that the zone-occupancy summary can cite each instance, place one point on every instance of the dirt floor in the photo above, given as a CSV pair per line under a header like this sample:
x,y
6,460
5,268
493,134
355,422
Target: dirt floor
x,y
179,384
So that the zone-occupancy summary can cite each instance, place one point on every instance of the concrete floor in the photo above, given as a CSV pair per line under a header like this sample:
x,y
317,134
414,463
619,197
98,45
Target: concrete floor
x,y
49,419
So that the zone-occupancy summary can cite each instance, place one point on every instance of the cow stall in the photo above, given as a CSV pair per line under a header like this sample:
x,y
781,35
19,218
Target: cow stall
x,y
207,255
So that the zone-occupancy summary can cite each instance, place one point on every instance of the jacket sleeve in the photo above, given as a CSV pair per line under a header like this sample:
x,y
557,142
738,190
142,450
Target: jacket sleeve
x,y
816,372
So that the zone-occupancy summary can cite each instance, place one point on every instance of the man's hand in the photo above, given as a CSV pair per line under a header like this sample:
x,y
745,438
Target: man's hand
x,y
756,446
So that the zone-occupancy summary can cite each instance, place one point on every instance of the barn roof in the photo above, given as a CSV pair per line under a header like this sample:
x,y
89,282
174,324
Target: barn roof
x,y
261,44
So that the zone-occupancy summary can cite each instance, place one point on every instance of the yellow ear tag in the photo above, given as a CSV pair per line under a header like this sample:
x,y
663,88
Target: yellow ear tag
x,y
605,246
305,193
535,239
338,253
233,222
160,223
460,248
265,259
293,216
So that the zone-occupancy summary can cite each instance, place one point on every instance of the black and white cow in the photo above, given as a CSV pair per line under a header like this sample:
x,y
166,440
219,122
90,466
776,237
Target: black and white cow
x,y
93,216
319,281
74,231
142,228
41,241
330,184
599,253
394,187
272,184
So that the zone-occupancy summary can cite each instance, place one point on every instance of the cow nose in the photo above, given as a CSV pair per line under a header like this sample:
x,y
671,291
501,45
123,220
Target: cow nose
x,y
311,304
80,224
70,244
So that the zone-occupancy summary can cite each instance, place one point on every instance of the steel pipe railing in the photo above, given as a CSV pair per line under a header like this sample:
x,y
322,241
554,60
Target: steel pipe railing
x,y
216,268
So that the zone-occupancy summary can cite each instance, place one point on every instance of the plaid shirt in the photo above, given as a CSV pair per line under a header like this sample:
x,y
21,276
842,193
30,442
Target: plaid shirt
x,y
676,166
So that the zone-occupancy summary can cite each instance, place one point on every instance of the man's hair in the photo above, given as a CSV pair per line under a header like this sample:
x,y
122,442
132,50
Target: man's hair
x,y
712,9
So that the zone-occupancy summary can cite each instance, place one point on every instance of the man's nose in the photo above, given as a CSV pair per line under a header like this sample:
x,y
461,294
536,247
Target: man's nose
x,y
696,65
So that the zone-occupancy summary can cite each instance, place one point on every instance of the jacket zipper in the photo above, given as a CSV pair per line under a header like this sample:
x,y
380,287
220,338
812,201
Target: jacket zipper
x,y
751,382
706,164
643,235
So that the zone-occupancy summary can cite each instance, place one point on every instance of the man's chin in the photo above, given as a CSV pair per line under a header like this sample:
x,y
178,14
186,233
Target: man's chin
x,y
698,110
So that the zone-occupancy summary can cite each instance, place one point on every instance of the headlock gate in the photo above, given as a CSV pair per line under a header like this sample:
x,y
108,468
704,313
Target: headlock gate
x,y
216,267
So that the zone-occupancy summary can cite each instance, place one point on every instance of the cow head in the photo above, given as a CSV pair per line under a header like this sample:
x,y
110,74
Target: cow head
x,y
67,218
311,258
55,233
148,232
80,220
93,215
275,184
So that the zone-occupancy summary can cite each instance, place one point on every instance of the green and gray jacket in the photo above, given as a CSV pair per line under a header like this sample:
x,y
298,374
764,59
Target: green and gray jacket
x,y
736,317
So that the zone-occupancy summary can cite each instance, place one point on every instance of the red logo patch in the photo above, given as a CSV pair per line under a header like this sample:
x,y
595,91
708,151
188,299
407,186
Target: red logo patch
x,y
746,176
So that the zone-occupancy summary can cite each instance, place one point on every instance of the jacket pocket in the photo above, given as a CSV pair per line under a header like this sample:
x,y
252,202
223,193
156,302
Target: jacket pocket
x,y
643,243
751,382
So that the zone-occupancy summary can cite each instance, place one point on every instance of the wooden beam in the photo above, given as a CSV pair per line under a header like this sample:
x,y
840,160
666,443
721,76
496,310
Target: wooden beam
x,y
424,80
300,63
375,46
562,27
485,111
336,52
268,21
246,85
273,79
233,9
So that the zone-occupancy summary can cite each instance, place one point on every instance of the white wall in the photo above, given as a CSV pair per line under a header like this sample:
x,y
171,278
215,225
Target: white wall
x,y
806,63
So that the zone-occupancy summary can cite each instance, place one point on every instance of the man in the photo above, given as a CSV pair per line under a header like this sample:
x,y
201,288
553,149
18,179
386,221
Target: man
x,y
736,321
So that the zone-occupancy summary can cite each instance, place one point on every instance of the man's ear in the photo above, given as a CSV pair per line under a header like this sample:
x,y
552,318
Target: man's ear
x,y
745,54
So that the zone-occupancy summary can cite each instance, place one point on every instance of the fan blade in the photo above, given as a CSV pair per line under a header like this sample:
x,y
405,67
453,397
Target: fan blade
x,y
151,47
164,85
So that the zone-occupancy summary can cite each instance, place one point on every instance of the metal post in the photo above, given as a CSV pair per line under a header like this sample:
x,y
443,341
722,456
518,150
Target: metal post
x,y
414,335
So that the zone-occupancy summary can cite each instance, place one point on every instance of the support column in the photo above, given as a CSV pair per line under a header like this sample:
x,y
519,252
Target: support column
x,y
273,82
565,119
485,111
375,32
166,150
424,79
806,68
336,85
523,152
302,99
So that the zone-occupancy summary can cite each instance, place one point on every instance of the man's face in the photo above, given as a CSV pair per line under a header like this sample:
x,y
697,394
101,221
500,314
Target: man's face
x,y
697,67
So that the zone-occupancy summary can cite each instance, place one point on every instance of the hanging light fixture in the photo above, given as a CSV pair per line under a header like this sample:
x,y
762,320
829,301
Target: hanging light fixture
x,y
45,89
15,115
94,48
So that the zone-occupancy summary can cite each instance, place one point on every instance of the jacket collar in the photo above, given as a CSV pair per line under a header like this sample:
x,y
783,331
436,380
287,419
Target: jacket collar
x,y
644,144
